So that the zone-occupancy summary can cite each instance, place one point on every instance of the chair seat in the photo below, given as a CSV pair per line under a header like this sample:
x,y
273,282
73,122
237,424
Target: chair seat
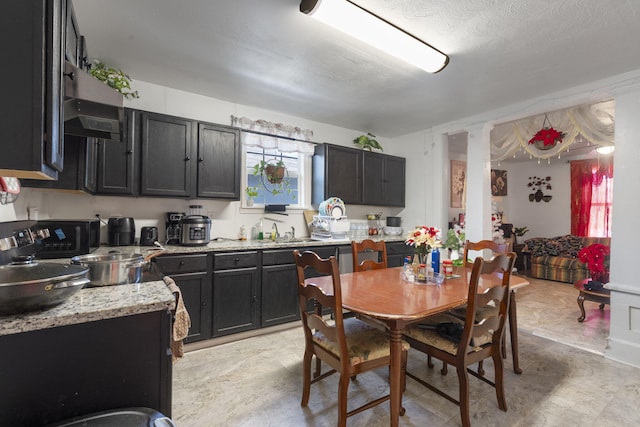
x,y
427,333
364,342
481,312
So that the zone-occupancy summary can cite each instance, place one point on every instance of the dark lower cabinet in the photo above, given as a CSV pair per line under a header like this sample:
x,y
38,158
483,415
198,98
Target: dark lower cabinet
x,y
59,373
192,274
396,251
236,293
279,302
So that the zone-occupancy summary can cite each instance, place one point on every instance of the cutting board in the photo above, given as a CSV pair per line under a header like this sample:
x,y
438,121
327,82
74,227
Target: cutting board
x,y
308,218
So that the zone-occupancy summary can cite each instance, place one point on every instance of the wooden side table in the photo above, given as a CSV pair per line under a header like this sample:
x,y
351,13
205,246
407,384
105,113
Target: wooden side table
x,y
522,260
603,297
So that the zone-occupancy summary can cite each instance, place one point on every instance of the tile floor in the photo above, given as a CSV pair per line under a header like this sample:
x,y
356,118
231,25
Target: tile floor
x,y
566,380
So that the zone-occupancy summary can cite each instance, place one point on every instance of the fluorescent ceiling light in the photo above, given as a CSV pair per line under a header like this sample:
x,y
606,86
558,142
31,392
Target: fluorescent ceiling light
x,y
605,149
363,25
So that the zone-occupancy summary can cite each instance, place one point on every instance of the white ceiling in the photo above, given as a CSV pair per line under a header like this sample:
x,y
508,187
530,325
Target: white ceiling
x,y
266,54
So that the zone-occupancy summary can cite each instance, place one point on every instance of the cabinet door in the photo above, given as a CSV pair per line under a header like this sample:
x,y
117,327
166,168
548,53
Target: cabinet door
x,y
31,111
167,155
396,251
337,171
196,294
373,189
218,162
279,295
394,181
117,167
79,173
235,301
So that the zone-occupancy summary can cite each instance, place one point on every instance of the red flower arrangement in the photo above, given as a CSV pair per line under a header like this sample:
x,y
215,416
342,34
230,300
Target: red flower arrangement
x,y
548,137
596,256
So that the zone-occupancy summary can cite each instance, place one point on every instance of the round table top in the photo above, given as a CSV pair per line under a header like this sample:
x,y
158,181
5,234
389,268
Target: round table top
x,y
579,285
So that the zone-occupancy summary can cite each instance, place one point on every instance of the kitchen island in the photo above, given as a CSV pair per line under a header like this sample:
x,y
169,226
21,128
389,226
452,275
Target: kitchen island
x,y
103,348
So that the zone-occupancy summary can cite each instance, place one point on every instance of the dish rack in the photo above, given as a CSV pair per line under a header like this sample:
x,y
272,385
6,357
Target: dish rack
x,y
329,227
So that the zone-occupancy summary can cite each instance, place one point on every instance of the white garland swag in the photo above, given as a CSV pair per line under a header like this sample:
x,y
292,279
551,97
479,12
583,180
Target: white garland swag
x,y
595,122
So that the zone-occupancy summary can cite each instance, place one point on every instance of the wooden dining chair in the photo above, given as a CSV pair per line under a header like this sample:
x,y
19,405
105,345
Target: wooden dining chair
x,y
481,246
349,346
480,338
369,246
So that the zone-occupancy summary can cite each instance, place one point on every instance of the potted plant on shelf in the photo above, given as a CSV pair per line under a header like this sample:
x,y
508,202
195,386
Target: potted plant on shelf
x,y
274,176
367,142
116,79
252,193
519,233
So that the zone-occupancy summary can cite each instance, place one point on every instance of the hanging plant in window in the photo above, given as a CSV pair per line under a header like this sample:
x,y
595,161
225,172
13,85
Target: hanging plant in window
x,y
547,137
274,176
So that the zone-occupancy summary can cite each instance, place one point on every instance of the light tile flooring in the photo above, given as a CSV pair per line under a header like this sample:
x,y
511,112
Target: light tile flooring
x,y
566,380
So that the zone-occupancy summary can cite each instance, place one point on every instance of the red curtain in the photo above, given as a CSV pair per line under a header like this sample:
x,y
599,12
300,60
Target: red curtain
x,y
585,174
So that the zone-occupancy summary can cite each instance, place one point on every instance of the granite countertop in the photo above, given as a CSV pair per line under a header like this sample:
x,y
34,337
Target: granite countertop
x,y
92,304
241,245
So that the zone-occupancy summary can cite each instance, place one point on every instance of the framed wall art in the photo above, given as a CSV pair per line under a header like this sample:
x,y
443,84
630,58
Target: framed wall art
x,y
458,182
498,182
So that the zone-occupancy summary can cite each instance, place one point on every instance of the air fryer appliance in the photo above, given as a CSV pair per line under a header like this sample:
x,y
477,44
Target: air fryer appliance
x,y
195,230
122,231
173,227
148,235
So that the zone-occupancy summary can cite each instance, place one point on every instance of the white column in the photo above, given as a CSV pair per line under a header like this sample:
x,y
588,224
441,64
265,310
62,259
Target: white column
x,y
624,333
478,201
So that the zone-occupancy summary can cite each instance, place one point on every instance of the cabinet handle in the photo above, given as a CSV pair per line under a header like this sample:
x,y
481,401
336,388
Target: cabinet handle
x,y
181,263
236,261
71,75
129,151
187,158
200,159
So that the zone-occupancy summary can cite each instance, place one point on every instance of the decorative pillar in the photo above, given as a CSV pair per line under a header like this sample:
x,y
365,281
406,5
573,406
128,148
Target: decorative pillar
x,y
624,332
478,201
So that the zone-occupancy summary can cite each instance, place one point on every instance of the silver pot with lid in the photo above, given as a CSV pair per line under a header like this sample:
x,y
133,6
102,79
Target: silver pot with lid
x,y
117,268
30,285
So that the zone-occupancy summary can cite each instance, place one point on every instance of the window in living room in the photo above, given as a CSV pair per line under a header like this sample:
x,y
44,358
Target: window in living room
x,y
591,197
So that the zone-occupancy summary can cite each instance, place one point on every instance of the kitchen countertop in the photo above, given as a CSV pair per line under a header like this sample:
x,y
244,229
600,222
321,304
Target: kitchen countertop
x,y
106,302
92,304
242,245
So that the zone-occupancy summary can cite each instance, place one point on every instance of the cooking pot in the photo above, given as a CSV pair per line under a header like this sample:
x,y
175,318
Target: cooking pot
x,y
195,230
34,285
114,268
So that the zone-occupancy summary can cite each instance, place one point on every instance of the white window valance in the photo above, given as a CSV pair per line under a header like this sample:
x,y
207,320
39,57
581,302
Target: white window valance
x,y
594,122
269,135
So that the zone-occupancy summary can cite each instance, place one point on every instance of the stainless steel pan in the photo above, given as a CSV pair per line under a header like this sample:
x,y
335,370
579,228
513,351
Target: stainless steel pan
x,y
32,285
114,268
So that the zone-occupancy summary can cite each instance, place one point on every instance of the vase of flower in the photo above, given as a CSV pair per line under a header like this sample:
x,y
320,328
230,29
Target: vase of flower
x,y
424,239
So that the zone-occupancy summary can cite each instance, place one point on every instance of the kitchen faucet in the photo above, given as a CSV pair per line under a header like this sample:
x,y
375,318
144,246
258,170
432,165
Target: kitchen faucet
x,y
274,229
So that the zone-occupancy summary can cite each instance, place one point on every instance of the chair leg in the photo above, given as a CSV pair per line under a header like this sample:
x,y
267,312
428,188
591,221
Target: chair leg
x,y
463,380
429,362
481,368
343,389
444,369
499,381
306,375
317,372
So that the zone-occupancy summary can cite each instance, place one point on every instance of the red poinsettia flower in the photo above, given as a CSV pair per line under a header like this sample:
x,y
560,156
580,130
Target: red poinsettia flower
x,y
548,136
596,256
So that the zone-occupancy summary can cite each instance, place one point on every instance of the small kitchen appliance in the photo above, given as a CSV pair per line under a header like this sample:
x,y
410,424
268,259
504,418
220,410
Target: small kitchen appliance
x,y
195,230
122,231
148,235
173,227
68,237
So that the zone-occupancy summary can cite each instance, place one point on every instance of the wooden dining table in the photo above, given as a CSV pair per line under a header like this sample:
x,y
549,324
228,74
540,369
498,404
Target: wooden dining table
x,y
385,295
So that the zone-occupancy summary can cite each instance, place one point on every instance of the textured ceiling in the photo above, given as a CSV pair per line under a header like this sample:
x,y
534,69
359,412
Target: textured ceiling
x,y
269,55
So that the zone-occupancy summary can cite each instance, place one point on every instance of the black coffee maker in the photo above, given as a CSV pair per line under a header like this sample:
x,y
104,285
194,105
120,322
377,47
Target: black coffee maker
x,y
173,227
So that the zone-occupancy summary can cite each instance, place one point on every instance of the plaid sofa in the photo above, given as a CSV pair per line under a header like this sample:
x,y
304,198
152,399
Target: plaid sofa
x,y
556,259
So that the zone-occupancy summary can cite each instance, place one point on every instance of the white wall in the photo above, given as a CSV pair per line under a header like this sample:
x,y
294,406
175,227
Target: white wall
x,y
544,219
